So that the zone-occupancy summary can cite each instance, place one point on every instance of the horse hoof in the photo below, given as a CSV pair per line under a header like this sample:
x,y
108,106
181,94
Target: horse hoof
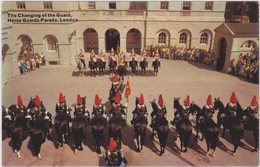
x,y
75,151
39,157
234,154
141,151
207,154
15,151
137,150
213,155
19,156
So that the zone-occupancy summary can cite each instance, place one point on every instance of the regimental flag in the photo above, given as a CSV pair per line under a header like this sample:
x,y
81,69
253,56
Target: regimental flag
x,y
118,47
128,89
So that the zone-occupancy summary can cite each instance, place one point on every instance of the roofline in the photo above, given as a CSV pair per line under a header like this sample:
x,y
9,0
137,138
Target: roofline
x,y
229,29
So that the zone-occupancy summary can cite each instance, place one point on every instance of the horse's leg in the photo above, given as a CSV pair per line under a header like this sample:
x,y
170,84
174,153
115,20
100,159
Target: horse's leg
x,y
223,131
152,133
255,132
137,140
181,140
143,134
207,141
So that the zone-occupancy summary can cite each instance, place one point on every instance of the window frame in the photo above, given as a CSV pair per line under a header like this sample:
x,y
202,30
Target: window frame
x,y
47,5
186,5
209,5
162,38
112,5
246,46
20,5
91,5
164,5
183,39
51,44
204,39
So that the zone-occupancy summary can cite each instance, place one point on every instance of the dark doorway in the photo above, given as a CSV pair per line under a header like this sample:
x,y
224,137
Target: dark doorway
x,y
222,53
112,38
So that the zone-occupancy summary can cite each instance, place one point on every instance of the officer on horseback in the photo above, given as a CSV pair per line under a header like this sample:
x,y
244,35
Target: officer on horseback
x,y
251,110
144,55
19,111
140,109
115,156
160,110
231,107
82,58
39,111
118,108
207,110
133,55
61,106
92,56
112,55
81,109
115,88
102,56
122,61
157,57
98,109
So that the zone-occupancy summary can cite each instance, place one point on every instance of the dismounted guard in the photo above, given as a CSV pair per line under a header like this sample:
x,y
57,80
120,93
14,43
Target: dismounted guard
x,y
251,110
231,107
81,109
114,156
98,109
61,106
118,108
157,57
140,109
82,58
161,111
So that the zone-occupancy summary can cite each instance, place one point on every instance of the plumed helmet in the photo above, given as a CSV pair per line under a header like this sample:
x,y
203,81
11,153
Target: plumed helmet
x,y
233,98
209,100
61,98
112,50
144,52
19,101
141,99
79,100
133,51
92,51
111,144
117,98
97,100
254,101
115,78
160,101
37,100
187,100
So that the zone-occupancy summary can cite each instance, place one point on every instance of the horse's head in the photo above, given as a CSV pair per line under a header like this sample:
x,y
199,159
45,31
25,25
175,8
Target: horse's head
x,y
194,108
137,99
218,104
176,103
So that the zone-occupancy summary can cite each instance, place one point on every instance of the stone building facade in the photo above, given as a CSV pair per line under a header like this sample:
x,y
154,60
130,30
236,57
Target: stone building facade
x,y
61,29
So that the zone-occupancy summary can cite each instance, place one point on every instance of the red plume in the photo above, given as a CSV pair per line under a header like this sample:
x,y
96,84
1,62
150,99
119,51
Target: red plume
x,y
117,98
209,100
111,144
160,101
79,100
115,78
142,99
37,101
188,100
97,100
61,98
19,101
233,97
254,101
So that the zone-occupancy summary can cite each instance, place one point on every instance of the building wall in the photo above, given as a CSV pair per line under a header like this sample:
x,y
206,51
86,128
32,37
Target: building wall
x,y
150,23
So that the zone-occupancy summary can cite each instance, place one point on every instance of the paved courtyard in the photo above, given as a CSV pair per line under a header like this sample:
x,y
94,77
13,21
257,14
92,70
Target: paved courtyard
x,y
176,78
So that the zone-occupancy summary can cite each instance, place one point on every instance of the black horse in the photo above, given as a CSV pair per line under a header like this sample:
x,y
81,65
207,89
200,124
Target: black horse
x,y
98,124
116,125
62,127
7,119
155,66
17,128
133,65
38,132
116,89
233,123
143,65
80,66
206,125
183,125
101,66
251,123
79,126
112,65
92,66
121,69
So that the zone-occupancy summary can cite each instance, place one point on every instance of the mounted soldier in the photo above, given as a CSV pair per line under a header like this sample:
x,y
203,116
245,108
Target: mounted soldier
x,y
82,58
116,87
157,57
98,109
144,55
133,55
92,56
81,109
158,110
123,56
252,110
117,108
231,107
102,56
113,55
115,156
19,111
62,108
140,109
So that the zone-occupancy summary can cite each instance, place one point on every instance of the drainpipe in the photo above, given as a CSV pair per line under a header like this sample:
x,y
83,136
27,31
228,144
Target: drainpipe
x,y
145,25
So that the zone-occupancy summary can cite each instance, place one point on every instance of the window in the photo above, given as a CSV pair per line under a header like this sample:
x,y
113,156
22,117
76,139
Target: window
x,y
164,5
91,5
26,41
47,4
137,5
183,38
248,45
90,30
133,5
51,44
186,6
208,5
204,38
162,38
112,5
20,5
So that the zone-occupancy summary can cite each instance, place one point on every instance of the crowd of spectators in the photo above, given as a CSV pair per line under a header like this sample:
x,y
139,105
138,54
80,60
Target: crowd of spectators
x,y
28,61
180,53
246,67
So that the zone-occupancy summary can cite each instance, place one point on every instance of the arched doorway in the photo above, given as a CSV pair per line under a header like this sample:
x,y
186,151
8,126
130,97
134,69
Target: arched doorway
x,y
5,48
133,40
7,64
222,53
112,38
90,40
26,43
